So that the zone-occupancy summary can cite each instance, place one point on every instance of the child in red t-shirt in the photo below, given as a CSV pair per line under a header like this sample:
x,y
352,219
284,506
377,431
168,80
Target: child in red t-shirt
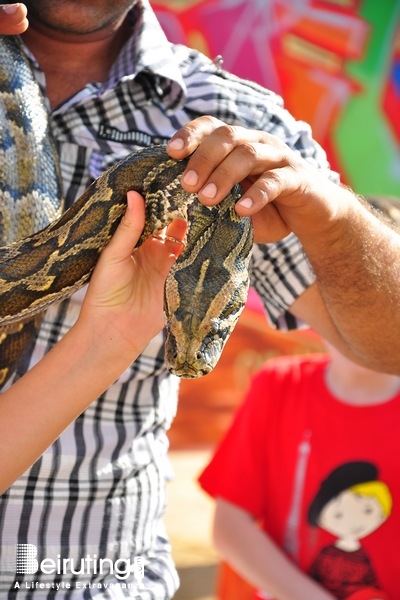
x,y
307,482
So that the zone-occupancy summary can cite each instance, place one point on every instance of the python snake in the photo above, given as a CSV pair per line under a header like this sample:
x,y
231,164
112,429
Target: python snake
x,y
46,256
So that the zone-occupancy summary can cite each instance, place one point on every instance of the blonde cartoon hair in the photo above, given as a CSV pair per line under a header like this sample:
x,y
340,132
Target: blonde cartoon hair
x,y
378,490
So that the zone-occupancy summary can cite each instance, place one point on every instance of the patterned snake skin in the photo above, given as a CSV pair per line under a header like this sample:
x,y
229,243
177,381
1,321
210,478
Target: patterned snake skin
x,y
46,257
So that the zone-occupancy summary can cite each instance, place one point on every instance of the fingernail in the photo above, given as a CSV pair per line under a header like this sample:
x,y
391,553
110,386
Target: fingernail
x,y
10,9
246,202
176,144
210,191
191,178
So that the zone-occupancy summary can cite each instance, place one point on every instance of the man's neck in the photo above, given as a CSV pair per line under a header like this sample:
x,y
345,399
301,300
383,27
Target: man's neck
x,y
70,63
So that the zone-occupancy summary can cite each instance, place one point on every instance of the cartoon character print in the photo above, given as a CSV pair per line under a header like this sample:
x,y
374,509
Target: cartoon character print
x,y
351,503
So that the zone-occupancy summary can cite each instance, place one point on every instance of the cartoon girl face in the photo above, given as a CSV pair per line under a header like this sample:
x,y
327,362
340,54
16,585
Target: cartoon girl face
x,y
351,515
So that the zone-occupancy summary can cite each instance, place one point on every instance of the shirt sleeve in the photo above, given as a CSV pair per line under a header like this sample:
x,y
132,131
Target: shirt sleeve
x,y
235,471
280,273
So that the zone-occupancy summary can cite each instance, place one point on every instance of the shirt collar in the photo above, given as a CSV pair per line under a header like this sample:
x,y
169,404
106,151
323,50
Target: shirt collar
x,y
148,51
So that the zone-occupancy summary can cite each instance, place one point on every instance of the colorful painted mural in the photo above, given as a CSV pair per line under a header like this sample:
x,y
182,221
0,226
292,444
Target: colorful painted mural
x,y
335,62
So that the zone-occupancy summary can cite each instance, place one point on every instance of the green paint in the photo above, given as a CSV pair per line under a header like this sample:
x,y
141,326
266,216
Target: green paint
x,y
363,138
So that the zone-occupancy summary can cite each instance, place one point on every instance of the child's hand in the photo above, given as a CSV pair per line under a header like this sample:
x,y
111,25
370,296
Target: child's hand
x,y
13,19
124,300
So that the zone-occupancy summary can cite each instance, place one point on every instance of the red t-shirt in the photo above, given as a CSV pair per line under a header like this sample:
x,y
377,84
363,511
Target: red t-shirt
x,y
293,452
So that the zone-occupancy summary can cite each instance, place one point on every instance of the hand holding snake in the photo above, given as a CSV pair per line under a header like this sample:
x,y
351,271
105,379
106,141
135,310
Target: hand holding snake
x,y
283,192
124,300
121,312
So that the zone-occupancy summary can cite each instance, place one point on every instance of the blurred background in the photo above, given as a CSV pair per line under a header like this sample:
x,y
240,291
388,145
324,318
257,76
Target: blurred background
x,y
336,63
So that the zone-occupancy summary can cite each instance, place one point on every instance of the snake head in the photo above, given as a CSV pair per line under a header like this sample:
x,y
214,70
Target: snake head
x,y
206,288
193,357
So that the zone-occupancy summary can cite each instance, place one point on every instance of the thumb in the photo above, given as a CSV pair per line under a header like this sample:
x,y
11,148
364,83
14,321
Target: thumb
x,y
129,230
165,246
13,19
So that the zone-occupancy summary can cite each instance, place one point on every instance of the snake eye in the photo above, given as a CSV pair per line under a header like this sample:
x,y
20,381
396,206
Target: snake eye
x,y
214,328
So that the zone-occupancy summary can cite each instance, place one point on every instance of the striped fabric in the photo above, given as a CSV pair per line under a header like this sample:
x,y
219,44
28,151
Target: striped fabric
x,y
94,502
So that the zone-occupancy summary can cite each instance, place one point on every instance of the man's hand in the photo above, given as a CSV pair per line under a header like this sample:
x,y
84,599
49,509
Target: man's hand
x,y
13,19
354,255
283,192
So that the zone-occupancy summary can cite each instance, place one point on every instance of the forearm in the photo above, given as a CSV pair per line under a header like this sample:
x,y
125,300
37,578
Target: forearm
x,y
39,406
356,259
357,264
121,313
258,559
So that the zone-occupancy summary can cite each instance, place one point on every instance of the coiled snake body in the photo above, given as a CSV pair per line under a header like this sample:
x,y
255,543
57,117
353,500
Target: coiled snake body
x,y
206,289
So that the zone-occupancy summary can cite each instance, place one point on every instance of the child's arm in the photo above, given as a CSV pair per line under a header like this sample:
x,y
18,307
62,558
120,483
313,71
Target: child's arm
x,y
121,313
256,557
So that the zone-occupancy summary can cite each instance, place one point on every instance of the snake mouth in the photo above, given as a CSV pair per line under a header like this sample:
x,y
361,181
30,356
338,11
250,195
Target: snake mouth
x,y
188,371
192,359
188,363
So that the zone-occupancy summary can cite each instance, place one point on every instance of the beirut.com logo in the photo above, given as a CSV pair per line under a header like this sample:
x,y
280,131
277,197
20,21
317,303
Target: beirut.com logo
x,y
27,563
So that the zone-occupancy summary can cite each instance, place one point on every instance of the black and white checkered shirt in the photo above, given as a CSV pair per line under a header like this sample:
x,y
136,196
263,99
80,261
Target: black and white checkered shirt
x,y
95,500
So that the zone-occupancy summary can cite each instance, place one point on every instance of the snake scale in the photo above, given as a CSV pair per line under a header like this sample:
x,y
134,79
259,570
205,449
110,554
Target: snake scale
x,y
47,255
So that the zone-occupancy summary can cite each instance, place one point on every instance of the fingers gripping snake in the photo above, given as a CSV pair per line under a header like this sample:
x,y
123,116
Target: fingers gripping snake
x,y
46,255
